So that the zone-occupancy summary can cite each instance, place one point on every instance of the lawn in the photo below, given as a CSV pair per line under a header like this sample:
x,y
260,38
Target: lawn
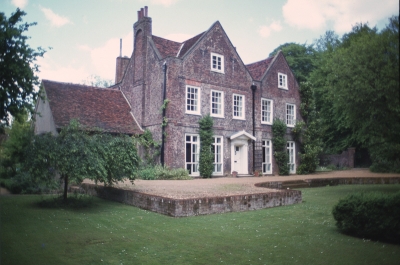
x,y
112,233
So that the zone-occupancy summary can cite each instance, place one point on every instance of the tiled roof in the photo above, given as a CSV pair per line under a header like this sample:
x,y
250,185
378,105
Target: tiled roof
x,y
166,47
172,48
102,108
258,69
189,43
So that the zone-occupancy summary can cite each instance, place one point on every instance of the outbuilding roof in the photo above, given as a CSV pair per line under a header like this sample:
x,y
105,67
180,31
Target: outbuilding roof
x,y
93,107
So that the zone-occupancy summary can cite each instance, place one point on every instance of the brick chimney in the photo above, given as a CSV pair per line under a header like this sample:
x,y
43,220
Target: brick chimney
x,y
121,65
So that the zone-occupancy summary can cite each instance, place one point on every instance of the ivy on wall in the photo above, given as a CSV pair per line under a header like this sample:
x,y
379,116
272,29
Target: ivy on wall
x,y
279,142
206,166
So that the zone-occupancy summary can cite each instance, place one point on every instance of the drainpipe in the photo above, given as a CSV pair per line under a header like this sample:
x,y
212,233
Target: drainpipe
x,y
253,88
163,113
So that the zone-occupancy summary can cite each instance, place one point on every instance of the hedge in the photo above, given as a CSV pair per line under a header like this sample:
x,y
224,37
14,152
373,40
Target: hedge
x,y
370,215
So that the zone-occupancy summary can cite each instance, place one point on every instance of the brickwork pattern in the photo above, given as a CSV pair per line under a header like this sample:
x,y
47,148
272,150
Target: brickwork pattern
x,y
198,206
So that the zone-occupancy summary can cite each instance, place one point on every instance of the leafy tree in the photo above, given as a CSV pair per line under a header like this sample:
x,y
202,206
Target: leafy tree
x,y
361,88
18,68
13,148
120,156
336,136
300,58
75,155
206,163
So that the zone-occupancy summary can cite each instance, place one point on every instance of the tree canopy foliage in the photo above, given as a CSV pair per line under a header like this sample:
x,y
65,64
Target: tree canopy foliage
x,y
300,57
75,155
352,90
363,85
18,67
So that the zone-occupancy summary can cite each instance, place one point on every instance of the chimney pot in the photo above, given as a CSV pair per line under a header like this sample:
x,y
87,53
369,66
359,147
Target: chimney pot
x,y
145,11
138,15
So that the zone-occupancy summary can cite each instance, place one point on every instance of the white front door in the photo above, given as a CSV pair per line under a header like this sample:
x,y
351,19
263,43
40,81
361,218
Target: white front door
x,y
239,152
237,158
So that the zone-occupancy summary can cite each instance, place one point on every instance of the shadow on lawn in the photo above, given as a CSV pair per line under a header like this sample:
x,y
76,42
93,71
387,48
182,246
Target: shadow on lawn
x,y
74,202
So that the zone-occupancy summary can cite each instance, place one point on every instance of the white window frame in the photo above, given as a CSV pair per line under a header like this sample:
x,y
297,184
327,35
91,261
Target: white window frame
x,y
194,155
282,81
221,104
291,149
242,110
196,99
265,112
290,117
214,64
219,156
267,156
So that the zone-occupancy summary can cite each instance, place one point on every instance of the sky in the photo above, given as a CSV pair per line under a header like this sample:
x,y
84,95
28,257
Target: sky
x,y
84,34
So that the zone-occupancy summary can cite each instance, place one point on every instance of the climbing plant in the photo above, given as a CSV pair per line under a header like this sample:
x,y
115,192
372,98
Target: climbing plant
x,y
279,142
206,166
308,133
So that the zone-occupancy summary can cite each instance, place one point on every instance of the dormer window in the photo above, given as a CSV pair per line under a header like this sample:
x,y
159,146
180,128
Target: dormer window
x,y
282,81
217,63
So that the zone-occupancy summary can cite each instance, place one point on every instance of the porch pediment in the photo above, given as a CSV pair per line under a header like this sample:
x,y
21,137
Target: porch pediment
x,y
242,135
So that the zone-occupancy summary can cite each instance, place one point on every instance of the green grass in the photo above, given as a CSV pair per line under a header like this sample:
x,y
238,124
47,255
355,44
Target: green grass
x,y
105,232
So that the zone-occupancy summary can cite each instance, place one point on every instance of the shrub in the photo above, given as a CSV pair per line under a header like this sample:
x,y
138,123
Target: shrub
x,y
159,172
370,215
24,183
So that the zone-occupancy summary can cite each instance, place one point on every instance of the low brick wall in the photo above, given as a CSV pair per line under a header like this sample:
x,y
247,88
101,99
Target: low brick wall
x,y
198,206
328,182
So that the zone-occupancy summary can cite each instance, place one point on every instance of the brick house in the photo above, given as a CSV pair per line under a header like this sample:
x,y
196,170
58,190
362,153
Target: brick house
x,y
202,75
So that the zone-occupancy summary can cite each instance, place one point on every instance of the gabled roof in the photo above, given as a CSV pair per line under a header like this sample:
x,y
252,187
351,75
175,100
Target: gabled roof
x,y
93,107
258,69
166,47
186,45
173,48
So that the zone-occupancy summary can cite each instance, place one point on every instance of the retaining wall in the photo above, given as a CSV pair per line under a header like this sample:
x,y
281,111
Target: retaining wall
x,y
197,206
327,182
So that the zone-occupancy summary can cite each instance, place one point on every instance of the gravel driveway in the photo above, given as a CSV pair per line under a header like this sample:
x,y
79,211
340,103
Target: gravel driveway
x,y
225,186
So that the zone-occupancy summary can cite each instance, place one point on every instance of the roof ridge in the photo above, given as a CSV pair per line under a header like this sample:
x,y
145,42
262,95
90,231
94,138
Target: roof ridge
x,y
81,85
263,60
166,39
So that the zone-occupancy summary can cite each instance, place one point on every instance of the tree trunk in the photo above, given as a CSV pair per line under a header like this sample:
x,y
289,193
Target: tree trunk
x,y
65,187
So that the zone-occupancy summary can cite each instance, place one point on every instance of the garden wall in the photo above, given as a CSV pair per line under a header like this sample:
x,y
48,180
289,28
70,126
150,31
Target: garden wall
x,y
345,159
198,206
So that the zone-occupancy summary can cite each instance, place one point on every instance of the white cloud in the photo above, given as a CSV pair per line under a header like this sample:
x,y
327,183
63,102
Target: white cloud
x,y
55,19
50,69
103,58
84,48
19,3
316,14
265,31
178,37
101,62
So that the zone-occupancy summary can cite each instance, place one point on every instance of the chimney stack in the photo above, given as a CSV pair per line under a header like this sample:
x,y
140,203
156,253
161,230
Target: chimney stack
x,y
142,13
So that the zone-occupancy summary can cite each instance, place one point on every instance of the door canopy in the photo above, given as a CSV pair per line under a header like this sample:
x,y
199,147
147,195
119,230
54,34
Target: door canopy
x,y
242,135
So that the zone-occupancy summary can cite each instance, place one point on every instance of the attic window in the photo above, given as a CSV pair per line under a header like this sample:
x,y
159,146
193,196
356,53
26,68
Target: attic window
x,y
282,81
217,63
